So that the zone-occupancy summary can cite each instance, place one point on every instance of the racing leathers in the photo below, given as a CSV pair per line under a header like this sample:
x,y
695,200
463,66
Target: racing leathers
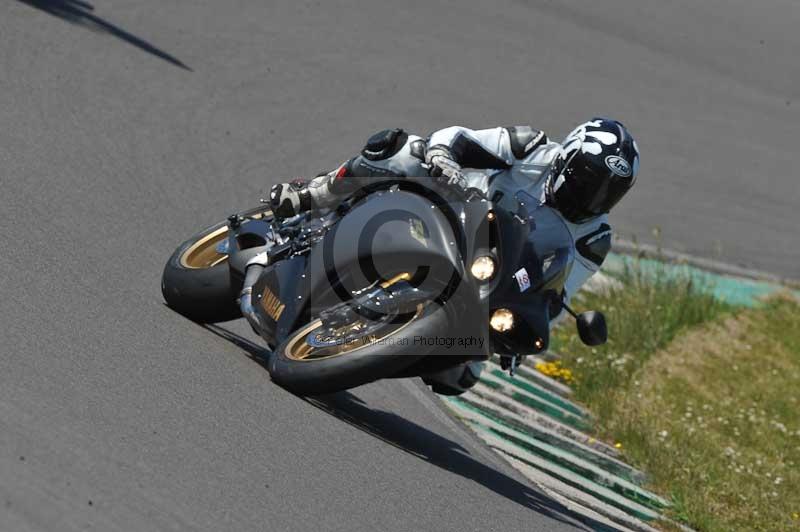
x,y
511,159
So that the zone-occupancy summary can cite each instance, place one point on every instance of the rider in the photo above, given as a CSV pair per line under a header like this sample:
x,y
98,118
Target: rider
x,y
582,178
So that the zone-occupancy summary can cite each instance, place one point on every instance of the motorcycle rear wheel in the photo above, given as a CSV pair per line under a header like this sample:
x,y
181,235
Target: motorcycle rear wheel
x,y
197,282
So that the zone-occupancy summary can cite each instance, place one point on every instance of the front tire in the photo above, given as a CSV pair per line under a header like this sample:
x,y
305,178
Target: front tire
x,y
381,356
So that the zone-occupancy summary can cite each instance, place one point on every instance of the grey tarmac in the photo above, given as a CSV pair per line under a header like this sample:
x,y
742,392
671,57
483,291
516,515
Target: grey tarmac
x,y
125,126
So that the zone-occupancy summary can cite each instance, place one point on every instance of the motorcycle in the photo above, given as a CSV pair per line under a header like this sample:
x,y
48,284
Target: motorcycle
x,y
405,278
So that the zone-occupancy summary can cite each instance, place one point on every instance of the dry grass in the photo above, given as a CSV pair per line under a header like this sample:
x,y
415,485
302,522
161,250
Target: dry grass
x,y
645,312
712,414
714,419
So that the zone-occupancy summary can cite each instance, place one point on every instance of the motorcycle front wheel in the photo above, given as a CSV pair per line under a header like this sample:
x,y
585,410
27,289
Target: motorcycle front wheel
x,y
311,361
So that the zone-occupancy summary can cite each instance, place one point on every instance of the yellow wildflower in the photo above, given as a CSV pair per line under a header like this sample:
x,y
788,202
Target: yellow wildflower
x,y
554,370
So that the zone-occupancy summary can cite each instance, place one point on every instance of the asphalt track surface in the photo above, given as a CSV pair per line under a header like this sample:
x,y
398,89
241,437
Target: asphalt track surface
x,y
126,126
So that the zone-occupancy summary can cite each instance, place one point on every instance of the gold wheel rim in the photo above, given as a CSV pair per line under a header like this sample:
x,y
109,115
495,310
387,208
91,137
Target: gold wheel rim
x,y
299,350
203,253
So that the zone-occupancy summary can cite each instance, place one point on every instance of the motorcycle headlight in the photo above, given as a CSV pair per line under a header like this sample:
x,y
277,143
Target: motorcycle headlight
x,y
483,268
502,320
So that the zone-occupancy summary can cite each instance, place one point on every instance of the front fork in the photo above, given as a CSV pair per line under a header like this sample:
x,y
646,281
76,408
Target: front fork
x,y
510,363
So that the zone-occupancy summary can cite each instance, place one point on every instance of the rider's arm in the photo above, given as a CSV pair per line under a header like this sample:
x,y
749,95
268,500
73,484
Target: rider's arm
x,y
487,148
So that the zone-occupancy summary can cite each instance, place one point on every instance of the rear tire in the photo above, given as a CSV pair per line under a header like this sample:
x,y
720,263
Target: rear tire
x,y
203,293
197,281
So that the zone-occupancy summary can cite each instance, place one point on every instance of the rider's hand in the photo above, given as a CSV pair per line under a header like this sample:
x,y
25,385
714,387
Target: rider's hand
x,y
444,168
289,199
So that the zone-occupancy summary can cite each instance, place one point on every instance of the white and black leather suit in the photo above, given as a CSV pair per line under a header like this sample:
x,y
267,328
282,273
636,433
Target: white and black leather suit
x,y
516,158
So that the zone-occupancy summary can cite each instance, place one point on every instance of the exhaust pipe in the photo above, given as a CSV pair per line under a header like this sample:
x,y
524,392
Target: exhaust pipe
x,y
254,268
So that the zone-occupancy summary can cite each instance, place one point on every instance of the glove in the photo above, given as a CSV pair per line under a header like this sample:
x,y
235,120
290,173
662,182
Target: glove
x,y
444,168
290,199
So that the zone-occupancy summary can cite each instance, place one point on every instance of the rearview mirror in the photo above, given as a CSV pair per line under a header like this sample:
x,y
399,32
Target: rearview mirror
x,y
592,327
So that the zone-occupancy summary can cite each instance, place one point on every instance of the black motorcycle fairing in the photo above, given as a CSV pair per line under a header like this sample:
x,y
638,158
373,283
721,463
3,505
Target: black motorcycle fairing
x,y
281,296
387,234
537,246
531,332
393,232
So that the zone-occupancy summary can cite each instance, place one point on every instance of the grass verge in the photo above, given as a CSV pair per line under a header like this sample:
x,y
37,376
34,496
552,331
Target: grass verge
x,y
702,396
